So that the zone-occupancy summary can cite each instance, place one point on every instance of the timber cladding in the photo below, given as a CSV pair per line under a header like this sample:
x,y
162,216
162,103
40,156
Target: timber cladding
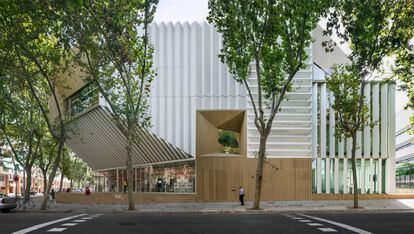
x,y
219,178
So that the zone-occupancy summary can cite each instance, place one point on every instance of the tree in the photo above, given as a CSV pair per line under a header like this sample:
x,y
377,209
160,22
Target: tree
x,y
78,173
46,155
21,124
33,54
373,29
405,169
273,35
109,42
65,167
404,69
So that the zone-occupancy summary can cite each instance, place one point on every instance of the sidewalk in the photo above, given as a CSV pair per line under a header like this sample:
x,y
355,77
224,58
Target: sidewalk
x,y
382,205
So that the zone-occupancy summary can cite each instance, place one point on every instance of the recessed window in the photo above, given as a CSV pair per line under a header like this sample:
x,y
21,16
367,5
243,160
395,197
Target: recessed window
x,y
228,141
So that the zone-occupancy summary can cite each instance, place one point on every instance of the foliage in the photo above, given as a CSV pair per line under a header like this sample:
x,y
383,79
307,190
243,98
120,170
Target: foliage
x,y
21,124
373,29
228,139
405,169
345,84
404,69
108,41
273,35
31,53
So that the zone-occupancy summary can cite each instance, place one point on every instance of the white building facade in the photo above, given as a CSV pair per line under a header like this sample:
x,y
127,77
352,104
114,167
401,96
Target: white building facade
x,y
191,79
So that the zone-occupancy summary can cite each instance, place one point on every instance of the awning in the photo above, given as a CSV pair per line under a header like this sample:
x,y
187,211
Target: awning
x,y
97,140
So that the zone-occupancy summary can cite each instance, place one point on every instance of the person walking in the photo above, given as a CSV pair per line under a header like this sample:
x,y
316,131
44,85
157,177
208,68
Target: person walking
x,y
52,197
241,195
87,191
125,186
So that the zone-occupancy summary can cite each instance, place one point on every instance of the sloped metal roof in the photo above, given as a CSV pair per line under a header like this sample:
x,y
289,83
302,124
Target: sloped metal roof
x,y
95,138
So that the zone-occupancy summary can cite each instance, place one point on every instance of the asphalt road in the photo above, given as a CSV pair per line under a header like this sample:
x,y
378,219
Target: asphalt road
x,y
208,223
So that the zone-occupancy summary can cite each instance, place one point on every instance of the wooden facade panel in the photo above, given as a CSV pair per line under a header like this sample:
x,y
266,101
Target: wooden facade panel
x,y
284,179
207,135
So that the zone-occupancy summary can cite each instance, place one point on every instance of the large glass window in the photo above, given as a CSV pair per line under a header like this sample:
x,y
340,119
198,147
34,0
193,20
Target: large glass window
x,y
80,101
314,179
323,175
176,177
341,176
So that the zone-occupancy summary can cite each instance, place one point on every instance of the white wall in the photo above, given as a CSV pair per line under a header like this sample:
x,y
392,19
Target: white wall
x,y
190,78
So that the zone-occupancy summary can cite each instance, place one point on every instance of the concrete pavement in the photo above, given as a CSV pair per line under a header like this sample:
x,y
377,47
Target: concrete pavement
x,y
386,205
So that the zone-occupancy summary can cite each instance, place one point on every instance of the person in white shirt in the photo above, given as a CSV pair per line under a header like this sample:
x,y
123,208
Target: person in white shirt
x,y
241,195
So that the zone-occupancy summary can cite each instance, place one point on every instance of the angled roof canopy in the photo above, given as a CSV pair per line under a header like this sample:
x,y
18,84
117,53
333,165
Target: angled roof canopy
x,y
95,138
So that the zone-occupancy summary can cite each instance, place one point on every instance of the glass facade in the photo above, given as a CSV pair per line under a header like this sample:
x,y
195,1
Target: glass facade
x,y
80,101
366,175
177,177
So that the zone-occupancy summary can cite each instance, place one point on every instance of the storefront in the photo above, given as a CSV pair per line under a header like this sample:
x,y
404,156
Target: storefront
x,y
176,177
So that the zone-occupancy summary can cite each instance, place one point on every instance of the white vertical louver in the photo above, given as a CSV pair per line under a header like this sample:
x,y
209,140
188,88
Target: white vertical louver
x,y
190,78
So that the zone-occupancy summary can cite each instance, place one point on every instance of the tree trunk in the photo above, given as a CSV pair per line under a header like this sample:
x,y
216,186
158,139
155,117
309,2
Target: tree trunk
x,y
28,182
61,181
131,203
354,174
53,173
71,184
44,181
259,171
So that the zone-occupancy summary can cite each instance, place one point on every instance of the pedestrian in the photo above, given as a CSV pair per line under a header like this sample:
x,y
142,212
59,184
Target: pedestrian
x,y
52,198
241,195
87,191
125,186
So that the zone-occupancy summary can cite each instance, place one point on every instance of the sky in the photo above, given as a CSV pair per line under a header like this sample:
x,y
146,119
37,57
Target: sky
x,y
197,10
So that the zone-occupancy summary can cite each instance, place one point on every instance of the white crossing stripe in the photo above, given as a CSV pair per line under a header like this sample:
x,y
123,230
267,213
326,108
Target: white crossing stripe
x,y
42,225
69,224
304,220
56,230
327,229
296,218
79,221
348,227
87,218
96,215
314,224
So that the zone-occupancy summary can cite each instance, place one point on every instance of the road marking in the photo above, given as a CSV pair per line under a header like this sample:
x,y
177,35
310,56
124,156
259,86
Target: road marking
x,y
87,218
79,221
314,224
327,229
348,227
296,218
69,224
42,225
96,215
56,230
304,220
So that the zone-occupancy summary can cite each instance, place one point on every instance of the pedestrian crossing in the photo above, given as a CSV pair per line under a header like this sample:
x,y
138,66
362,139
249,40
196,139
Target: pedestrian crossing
x,y
324,225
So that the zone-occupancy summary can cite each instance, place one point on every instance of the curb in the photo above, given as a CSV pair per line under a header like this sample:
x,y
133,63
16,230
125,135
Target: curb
x,y
43,211
268,211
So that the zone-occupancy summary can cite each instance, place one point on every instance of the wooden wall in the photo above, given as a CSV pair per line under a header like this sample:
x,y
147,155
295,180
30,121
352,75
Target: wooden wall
x,y
206,136
219,178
